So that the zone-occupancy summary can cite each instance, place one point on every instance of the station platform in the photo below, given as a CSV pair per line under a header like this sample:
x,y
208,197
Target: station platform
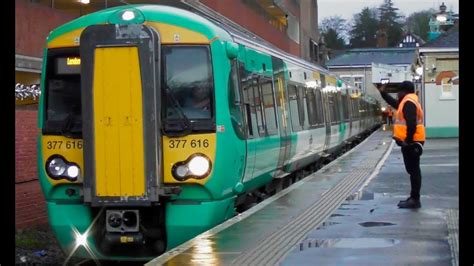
x,y
345,214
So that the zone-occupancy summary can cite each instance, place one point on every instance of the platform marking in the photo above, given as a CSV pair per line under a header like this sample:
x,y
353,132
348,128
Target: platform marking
x,y
440,164
453,234
376,171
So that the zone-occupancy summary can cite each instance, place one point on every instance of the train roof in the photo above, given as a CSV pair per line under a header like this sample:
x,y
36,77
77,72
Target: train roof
x,y
241,35
203,15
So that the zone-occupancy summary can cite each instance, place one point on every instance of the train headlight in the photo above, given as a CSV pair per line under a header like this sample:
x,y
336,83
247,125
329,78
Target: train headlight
x,y
128,15
73,171
57,167
196,166
181,171
199,165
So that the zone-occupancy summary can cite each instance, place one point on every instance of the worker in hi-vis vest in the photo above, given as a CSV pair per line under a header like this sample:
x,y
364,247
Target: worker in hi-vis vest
x,y
409,134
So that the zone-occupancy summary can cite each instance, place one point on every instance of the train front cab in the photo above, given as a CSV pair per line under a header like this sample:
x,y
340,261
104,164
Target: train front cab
x,y
127,174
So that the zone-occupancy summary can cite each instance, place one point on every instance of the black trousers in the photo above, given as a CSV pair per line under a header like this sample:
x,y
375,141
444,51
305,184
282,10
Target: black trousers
x,y
411,157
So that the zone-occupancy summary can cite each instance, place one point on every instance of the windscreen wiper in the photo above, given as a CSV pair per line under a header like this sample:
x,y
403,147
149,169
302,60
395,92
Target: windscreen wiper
x,y
67,126
188,127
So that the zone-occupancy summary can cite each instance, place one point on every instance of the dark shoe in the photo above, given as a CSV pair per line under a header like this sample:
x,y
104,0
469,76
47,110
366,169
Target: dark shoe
x,y
402,201
410,203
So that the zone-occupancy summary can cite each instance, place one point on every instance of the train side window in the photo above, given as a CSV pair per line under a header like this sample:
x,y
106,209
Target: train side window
x,y
337,106
345,107
294,107
250,109
311,102
235,101
331,103
258,107
268,106
319,107
303,110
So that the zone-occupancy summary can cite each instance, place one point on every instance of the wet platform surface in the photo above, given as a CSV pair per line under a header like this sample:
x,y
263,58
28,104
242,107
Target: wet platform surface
x,y
344,214
372,230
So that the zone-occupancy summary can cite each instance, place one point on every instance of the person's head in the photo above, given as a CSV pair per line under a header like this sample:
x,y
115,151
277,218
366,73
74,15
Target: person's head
x,y
201,92
405,88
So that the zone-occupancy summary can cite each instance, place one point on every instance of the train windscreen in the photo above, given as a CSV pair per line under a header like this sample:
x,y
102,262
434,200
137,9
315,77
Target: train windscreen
x,y
63,93
187,80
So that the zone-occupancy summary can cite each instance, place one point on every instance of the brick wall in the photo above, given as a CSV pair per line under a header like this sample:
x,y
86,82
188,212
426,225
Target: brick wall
x,y
250,19
30,206
33,22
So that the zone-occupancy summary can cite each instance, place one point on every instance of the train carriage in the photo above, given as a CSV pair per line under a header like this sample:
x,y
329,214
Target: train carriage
x,y
158,123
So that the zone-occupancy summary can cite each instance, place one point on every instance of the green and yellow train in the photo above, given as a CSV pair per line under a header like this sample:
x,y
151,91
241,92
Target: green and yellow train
x,y
158,123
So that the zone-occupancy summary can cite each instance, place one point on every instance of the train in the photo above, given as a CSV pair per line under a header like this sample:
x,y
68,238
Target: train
x,y
158,123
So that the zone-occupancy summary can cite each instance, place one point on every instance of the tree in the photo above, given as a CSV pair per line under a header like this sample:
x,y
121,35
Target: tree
x,y
390,22
334,31
418,23
364,29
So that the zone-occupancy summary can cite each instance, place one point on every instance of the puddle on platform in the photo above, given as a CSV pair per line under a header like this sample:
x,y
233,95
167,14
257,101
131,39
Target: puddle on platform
x,y
348,243
374,224
324,225
361,195
347,209
337,214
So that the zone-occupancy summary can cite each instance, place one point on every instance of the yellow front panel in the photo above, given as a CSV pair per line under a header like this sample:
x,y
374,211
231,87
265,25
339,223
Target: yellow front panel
x,y
179,149
70,149
174,34
118,123
70,39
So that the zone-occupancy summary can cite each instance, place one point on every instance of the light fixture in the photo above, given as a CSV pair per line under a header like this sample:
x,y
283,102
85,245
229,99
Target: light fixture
x,y
85,2
196,166
81,239
419,71
441,18
57,167
128,15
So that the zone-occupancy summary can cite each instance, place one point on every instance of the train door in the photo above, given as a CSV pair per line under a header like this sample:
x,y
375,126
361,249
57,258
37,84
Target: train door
x,y
119,73
260,108
339,101
279,82
327,118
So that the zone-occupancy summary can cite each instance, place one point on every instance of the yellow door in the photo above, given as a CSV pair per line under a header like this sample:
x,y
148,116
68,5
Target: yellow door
x,y
118,123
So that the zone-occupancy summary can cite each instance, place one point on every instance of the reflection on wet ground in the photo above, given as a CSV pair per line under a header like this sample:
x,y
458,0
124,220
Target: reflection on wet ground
x,y
373,224
352,243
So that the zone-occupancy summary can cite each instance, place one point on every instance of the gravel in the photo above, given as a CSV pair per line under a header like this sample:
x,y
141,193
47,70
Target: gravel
x,y
38,246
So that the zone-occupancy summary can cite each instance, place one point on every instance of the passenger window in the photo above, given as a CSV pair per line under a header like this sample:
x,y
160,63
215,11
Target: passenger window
x,y
235,103
268,105
333,110
311,102
250,108
319,107
345,109
302,103
294,108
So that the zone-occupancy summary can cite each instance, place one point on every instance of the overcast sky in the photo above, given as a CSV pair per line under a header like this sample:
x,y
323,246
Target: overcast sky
x,y
348,8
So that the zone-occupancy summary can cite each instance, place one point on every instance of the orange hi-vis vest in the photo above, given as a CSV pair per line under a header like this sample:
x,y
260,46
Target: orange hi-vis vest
x,y
400,125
